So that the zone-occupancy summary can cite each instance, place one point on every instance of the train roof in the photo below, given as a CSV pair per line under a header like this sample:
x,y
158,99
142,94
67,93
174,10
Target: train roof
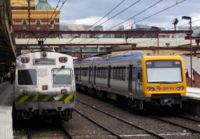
x,y
126,56
35,53
163,57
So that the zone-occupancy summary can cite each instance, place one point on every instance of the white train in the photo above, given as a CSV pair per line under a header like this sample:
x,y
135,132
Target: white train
x,y
44,86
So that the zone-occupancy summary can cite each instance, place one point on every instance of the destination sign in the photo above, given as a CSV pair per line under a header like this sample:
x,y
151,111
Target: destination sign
x,y
44,61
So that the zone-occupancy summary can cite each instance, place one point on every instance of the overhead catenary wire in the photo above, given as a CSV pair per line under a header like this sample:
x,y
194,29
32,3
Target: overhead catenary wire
x,y
29,21
93,25
139,13
120,12
160,11
114,8
156,13
53,12
63,3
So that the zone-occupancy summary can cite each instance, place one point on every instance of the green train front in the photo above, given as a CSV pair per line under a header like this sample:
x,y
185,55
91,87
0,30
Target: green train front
x,y
45,85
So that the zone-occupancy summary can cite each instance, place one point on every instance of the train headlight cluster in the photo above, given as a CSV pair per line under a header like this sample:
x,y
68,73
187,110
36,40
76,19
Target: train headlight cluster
x,y
180,88
63,59
150,89
25,59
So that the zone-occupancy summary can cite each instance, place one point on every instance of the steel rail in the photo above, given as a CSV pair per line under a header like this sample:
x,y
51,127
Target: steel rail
x,y
101,126
175,124
125,121
66,132
187,117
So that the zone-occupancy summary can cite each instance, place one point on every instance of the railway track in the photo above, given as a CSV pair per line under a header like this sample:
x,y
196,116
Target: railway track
x,y
68,135
186,130
101,126
187,117
177,124
34,131
150,132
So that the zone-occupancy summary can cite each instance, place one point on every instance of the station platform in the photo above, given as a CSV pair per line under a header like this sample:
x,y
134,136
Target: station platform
x,y
6,97
193,93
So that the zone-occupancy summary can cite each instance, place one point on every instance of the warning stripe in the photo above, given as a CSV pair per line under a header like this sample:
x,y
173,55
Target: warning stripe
x,y
69,98
65,98
23,99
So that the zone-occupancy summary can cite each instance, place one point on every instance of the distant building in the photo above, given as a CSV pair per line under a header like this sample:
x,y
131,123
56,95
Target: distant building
x,y
80,27
82,51
138,27
42,15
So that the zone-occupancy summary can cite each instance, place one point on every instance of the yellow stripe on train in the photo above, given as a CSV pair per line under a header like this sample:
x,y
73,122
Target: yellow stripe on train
x,y
69,98
45,98
23,99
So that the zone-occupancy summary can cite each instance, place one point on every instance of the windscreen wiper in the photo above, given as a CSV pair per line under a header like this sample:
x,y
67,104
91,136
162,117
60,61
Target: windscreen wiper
x,y
62,67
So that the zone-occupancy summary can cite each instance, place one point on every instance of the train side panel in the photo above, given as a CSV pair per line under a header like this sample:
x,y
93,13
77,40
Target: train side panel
x,y
130,77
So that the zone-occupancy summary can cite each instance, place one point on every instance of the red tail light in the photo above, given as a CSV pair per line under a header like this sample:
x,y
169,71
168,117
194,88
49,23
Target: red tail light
x,y
25,60
62,59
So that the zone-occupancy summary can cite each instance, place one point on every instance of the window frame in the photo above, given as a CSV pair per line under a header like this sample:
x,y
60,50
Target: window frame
x,y
164,67
71,72
27,84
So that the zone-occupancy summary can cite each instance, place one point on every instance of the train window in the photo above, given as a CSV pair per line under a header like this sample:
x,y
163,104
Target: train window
x,y
135,71
62,76
27,77
101,72
120,73
84,71
164,71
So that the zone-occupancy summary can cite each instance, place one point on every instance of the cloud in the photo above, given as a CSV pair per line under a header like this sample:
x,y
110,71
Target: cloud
x,y
92,20
89,11
88,20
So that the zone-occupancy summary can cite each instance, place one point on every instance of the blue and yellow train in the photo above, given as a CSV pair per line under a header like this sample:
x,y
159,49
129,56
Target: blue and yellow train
x,y
135,78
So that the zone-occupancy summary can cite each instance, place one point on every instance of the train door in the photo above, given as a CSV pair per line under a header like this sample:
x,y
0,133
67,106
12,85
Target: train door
x,y
109,75
80,73
94,77
89,77
137,80
130,77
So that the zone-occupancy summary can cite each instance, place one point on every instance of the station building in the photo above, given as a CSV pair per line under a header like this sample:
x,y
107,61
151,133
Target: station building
x,y
42,17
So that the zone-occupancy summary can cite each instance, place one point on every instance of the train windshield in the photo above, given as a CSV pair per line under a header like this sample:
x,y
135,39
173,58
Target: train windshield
x,y
164,71
27,77
62,76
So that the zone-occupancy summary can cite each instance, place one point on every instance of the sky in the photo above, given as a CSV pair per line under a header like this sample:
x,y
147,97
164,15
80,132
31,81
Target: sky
x,y
89,11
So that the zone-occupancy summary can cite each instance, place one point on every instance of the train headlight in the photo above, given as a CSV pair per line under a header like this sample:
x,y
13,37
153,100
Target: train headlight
x,y
150,89
63,59
64,91
25,60
180,88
